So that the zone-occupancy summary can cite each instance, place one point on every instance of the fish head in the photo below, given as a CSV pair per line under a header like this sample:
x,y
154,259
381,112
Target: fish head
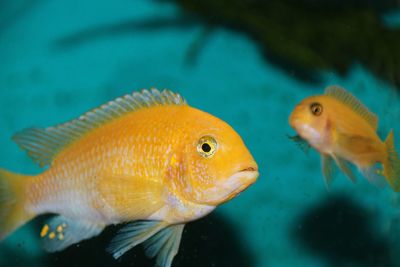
x,y
219,165
310,119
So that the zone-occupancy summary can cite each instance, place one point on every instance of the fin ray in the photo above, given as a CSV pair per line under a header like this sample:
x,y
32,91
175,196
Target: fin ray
x,y
327,169
344,167
164,245
44,144
391,165
352,102
133,234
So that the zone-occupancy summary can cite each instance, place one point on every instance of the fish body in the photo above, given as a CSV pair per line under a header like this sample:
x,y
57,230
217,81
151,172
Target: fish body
x,y
343,130
146,157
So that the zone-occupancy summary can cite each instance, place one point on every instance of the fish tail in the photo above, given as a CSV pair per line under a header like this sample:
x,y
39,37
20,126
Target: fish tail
x,y
12,202
391,165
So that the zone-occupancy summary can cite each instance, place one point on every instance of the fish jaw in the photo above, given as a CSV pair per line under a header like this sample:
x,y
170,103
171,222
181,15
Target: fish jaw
x,y
301,122
180,210
177,210
317,139
232,186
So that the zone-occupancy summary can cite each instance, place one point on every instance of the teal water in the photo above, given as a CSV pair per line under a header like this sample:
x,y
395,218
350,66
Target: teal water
x,y
59,59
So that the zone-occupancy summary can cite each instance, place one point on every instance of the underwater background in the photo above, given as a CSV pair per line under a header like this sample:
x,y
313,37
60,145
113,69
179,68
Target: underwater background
x,y
246,62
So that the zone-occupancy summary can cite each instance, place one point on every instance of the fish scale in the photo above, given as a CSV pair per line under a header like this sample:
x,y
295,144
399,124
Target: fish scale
x,y
137,160
343,130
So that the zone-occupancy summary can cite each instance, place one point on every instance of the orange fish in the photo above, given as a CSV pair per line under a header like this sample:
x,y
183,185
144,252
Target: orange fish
x,y
343,130
146,157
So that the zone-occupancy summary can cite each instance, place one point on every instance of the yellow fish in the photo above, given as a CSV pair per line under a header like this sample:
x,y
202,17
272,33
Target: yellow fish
x,y
343,130
146,157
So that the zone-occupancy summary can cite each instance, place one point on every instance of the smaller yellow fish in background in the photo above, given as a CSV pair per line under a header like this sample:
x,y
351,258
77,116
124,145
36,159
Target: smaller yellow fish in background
x,y
343,130
147,159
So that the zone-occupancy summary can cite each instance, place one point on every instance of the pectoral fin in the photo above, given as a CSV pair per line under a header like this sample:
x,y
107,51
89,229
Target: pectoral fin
x,y
129,196
344,167
60,232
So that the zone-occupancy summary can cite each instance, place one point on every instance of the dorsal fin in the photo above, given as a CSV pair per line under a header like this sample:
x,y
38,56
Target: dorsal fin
x,y
44,144
352,102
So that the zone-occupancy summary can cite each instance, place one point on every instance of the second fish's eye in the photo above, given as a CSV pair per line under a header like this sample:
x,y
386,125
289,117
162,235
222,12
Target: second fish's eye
x,y
206,146
316,109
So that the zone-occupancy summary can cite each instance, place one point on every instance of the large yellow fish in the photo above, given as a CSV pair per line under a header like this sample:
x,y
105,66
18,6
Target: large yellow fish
x,y
343,130
145,157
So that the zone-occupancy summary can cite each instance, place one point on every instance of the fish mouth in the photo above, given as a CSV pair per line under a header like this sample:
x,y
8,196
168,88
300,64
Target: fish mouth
x,y
249,169
234,185
245,178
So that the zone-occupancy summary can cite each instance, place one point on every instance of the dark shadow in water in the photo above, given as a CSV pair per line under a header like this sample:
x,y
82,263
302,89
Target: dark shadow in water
x,y
207,242
13,259
300,37
343,233
125,27
303,37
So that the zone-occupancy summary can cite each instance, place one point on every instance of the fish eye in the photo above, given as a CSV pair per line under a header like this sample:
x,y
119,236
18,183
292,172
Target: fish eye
x,y
207,146
316,109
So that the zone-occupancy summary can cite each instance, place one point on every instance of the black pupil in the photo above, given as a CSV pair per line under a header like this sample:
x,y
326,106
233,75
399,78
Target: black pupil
x,y
206,147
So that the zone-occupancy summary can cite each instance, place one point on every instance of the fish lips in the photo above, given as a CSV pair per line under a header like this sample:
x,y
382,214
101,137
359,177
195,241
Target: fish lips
x,y
233,186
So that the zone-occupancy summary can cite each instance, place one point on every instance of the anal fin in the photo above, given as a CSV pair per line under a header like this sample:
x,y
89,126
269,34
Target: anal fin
x,y
61,232
374,175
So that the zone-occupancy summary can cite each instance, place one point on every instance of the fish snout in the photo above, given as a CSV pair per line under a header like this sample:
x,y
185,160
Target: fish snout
x,y
296,118
293,120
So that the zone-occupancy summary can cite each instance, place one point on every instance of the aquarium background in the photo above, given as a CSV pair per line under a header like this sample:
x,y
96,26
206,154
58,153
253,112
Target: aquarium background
x,y
59,59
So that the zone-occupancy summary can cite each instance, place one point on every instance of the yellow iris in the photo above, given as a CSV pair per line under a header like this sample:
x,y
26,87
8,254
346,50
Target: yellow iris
x,y
207,146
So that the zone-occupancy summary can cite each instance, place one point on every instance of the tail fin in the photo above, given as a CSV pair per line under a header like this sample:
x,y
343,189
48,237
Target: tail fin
x,y
12,202
391,166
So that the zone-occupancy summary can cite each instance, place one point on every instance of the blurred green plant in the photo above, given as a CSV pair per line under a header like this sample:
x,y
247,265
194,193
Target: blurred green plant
x,y
306,36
